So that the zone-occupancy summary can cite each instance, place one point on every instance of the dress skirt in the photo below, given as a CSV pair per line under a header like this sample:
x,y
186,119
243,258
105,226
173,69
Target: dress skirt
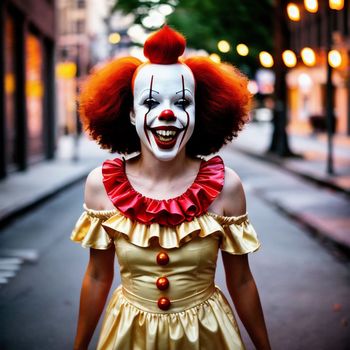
x,y
209,325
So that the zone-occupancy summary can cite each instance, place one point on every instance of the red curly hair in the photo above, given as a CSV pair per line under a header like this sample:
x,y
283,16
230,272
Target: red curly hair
x,y
221,96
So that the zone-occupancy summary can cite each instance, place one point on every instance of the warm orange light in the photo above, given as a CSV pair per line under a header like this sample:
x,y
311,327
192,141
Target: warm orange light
x,y
308,56
311,5
66,70
336,4
266,59
224,46
114,38
334,58
215,58
10,83
242,49
289,58
293,12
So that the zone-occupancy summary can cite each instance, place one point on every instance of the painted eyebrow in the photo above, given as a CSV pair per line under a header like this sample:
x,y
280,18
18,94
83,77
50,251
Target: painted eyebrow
x,y
183,91
150,90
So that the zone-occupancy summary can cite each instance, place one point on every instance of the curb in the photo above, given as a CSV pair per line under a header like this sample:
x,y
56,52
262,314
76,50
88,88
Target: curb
x,y
23,208
316,229
273,159
322,235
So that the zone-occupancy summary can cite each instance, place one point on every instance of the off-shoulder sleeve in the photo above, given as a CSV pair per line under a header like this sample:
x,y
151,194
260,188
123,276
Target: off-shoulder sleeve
x,y
239,235
89,232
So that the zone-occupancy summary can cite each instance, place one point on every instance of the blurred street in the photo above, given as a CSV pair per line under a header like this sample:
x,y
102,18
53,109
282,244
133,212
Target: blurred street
x,y
293,156
304,284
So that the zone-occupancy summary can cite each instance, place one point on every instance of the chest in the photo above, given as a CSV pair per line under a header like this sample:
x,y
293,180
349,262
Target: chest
x,y
197,257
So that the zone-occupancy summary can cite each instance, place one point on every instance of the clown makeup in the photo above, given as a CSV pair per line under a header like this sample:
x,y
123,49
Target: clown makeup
x,y
164,108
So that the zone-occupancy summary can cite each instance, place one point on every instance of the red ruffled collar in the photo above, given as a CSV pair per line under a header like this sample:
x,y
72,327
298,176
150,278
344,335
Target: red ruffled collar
x,y
169,212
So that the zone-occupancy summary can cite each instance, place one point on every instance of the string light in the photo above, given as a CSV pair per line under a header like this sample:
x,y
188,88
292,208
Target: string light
x,y
308,56
336,4
289,58
334,58
311,5
242,49
224,46
266,59
114,38
293,12
215,58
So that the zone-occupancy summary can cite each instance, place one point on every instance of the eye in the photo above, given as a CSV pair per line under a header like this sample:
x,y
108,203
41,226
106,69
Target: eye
x,y
183,103
150,103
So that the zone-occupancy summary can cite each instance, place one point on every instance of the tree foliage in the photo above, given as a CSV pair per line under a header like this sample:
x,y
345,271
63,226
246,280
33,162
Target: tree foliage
x,y
205,22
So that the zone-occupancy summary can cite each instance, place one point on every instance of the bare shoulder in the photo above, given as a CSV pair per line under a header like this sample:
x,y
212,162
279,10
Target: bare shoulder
x,y
95,195
233,195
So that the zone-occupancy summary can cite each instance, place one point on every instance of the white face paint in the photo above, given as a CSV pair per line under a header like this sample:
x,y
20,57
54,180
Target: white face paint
x,y
164,108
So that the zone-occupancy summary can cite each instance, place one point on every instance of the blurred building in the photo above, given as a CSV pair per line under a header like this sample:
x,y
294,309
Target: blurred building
x,y
307,84
87,35
27,118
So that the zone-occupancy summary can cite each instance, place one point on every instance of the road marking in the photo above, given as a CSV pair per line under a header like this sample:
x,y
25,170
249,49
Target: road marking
x,y
11,261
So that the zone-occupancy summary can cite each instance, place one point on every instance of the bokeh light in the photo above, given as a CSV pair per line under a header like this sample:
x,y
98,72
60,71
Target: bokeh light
x,y
289,58
308,56
266,59
224,46
242,49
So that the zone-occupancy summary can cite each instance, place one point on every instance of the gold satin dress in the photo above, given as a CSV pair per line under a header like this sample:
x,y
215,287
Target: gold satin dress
x,y
167,299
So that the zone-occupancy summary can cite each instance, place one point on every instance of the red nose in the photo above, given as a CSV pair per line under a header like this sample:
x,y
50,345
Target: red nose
x,y
167,115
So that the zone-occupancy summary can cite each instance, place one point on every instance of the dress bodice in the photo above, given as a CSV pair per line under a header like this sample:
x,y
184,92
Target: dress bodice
x,y
192,248
190,273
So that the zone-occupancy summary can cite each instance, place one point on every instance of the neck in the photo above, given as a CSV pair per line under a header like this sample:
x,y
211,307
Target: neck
x,y
157,169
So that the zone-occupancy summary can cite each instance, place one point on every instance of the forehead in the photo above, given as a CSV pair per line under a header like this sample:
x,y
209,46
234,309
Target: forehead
x,y
164,77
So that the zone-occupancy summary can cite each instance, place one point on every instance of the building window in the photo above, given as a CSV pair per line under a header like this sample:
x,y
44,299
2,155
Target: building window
x,y
80,26
10,91
34,96
80,4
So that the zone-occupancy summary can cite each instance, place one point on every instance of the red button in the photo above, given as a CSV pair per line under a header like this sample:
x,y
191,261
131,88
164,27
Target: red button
x,y
162,258
162,283
164,303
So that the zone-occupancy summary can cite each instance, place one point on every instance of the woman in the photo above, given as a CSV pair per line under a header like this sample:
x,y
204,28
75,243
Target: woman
x,y
165,212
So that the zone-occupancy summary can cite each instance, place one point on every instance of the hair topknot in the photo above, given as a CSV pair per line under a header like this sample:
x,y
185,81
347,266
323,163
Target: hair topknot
x,y
165,46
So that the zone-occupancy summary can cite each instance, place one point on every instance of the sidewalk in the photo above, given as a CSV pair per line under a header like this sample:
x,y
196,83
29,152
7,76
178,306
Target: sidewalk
x,y
21,191
313,150
311,202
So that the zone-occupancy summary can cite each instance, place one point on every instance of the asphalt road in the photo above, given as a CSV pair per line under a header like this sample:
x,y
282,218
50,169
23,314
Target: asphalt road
x,y
304,286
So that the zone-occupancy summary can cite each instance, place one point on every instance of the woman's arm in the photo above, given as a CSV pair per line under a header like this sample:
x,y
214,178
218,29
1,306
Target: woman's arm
x,y
95,288
239,279
243,291
100,270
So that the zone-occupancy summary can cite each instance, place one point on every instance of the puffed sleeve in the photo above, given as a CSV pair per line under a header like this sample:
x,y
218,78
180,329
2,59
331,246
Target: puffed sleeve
x,y
89,232
239,236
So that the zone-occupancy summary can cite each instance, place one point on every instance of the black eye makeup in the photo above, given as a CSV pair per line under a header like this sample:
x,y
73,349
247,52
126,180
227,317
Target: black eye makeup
x,y
150,102
183,103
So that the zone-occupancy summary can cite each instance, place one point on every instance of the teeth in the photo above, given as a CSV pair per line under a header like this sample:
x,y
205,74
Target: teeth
x,y
166,132
162,138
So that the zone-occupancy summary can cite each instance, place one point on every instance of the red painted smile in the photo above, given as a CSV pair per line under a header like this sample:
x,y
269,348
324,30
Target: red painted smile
x,y
165,136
